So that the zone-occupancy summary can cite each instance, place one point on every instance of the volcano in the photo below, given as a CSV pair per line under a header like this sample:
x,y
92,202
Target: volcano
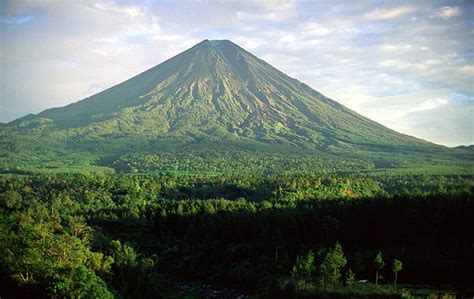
x,y
210,99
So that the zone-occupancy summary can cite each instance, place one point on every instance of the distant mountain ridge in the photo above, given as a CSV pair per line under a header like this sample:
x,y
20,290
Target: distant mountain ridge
x,y
214,95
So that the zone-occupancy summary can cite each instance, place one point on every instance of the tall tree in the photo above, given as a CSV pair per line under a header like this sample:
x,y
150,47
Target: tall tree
x,y
350,277
379,264
332,264
396,266
304,266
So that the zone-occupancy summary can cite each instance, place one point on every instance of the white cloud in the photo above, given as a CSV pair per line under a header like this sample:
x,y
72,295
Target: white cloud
x,y
244,16
448,12
389,13
282,5
128,10
314,28
396,48
249,43
431,104
467,69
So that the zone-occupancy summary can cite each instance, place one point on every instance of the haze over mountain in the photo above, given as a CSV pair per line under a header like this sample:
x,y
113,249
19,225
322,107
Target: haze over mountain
x,y
212,97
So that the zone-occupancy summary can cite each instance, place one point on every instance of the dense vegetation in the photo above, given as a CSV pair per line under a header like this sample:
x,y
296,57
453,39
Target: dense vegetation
x,y
299,235
33,155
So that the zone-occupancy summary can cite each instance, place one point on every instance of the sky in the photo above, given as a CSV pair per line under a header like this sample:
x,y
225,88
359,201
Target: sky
x,y
408,65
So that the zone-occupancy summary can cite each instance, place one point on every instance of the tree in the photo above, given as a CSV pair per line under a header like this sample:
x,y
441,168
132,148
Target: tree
x,y
10,200
379,264
304,266
396,266
79,282
331,265
350,277
123,254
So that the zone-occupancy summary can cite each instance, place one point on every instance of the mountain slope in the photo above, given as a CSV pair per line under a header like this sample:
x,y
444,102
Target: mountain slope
x,y
214,95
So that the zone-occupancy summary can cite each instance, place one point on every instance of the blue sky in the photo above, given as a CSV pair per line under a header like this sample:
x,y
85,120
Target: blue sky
x,y
406,64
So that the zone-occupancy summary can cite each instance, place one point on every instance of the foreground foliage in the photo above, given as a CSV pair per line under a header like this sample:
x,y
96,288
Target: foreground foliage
x,y
107,236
